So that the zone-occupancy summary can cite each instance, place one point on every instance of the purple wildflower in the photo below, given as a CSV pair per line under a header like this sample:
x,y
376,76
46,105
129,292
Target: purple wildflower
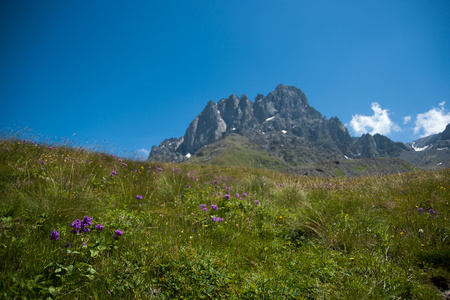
x,y
203,207
84,244
256,202
81,225
227,188
420,210
87,221
216,219
99,227
113,173
54,236
149,168
139,197
281,184
76,225
244,194
66,245
139,204
50,148
236,195
124,164
120,159
214,207
158,169
227,197
216,182
118,233
431,211
188,186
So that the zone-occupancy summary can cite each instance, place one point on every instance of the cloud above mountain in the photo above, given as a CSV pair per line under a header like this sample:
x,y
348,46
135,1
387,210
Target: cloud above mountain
x,y
379,122
432,121
142,154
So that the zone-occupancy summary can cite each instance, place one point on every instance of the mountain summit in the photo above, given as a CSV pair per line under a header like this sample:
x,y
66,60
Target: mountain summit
x,y
282,125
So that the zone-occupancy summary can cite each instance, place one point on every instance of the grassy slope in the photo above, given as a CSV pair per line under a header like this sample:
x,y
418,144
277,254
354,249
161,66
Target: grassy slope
x,y
236,150
355,167
360,238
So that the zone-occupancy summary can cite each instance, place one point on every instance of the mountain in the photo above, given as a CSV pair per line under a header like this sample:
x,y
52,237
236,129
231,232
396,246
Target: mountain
x,y
279,130
431,152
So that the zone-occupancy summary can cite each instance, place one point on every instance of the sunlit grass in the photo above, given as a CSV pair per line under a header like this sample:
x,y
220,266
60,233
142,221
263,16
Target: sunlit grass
x,y
287,237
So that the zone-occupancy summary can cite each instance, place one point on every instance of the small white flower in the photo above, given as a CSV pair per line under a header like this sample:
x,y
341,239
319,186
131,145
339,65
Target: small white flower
x,y
421,230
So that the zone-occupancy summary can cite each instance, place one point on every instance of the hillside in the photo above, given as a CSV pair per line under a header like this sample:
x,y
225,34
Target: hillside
x,y
77,224
355,168
236,150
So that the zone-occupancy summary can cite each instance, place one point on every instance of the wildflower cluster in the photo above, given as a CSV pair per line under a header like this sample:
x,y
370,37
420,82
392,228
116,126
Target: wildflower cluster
x,y
81,225
203,207
216,219
431,211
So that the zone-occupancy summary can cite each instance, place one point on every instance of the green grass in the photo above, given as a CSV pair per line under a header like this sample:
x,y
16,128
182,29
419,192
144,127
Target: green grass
x,y
304,237
236,150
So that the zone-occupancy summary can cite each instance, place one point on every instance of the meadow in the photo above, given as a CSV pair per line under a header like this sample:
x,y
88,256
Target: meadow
x,y
78,224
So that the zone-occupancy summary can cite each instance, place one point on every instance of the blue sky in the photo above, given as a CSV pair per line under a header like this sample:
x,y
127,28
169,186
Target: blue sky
x,y
130,74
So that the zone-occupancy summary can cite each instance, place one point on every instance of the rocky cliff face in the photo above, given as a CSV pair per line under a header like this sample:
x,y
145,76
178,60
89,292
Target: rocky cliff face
x,y
368,146
206,128
431,152
283,123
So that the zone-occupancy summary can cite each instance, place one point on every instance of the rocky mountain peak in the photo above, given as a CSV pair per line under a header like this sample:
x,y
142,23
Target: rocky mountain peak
x,y
281,123
207,127
445,135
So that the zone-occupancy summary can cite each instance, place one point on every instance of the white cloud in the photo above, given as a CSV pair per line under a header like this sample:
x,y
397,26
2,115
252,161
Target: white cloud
x,y
432,121
142,153
379,122
406,119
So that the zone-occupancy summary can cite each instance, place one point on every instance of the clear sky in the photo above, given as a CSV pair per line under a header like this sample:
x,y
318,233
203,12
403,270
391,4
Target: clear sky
x,y
132,73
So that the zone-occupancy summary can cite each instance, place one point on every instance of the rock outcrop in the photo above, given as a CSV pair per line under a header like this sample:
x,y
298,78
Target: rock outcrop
x,y
283,124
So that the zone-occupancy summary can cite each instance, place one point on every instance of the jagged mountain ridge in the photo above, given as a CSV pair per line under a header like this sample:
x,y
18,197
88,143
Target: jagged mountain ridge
x,y
431,152
281,123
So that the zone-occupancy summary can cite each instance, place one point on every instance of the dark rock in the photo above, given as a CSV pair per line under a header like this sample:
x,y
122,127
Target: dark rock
x,y
206,128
